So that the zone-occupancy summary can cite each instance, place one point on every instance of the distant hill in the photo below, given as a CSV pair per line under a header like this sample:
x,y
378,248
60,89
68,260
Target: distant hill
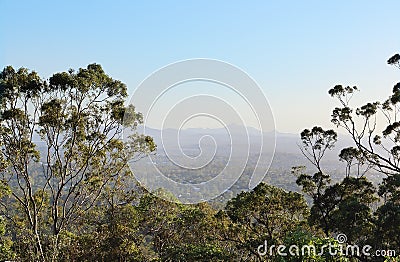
x,y
287,143
213,147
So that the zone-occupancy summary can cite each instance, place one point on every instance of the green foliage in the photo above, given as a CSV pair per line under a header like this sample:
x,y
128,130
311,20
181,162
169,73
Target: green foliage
x,y
394,60
388,218
266,213
346,206
79,117
6,252
104,234
72,197
326,249
393,259
338,207
180,232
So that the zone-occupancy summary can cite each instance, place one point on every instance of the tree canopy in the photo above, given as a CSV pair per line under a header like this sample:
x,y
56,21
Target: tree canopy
x,y
67,193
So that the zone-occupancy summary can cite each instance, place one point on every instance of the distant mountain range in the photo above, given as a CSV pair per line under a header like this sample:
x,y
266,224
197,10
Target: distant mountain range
x,y
285,142
178,151
287,153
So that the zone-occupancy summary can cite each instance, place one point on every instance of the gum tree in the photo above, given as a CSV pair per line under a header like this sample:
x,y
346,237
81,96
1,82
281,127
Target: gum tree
x,y
346,206
61,143
266,213
379,148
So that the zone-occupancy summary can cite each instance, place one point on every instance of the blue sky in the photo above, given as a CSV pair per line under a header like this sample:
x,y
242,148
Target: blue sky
x,y
295,50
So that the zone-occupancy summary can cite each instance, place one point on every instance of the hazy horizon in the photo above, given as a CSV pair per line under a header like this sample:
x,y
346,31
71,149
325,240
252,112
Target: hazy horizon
x,y
295,51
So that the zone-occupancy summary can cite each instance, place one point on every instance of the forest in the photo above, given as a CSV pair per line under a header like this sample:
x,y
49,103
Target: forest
x,y
67,193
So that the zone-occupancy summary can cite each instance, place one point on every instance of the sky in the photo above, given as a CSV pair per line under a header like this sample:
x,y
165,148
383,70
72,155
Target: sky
x,y
294,50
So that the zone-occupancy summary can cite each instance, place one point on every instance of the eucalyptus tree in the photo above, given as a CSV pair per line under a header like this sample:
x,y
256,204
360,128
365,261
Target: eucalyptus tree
x,y
341,207
62,148
265,214
379,147
346,206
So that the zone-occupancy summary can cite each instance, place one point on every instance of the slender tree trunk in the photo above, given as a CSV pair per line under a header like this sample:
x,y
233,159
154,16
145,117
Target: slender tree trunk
x,y
55,248
39,246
